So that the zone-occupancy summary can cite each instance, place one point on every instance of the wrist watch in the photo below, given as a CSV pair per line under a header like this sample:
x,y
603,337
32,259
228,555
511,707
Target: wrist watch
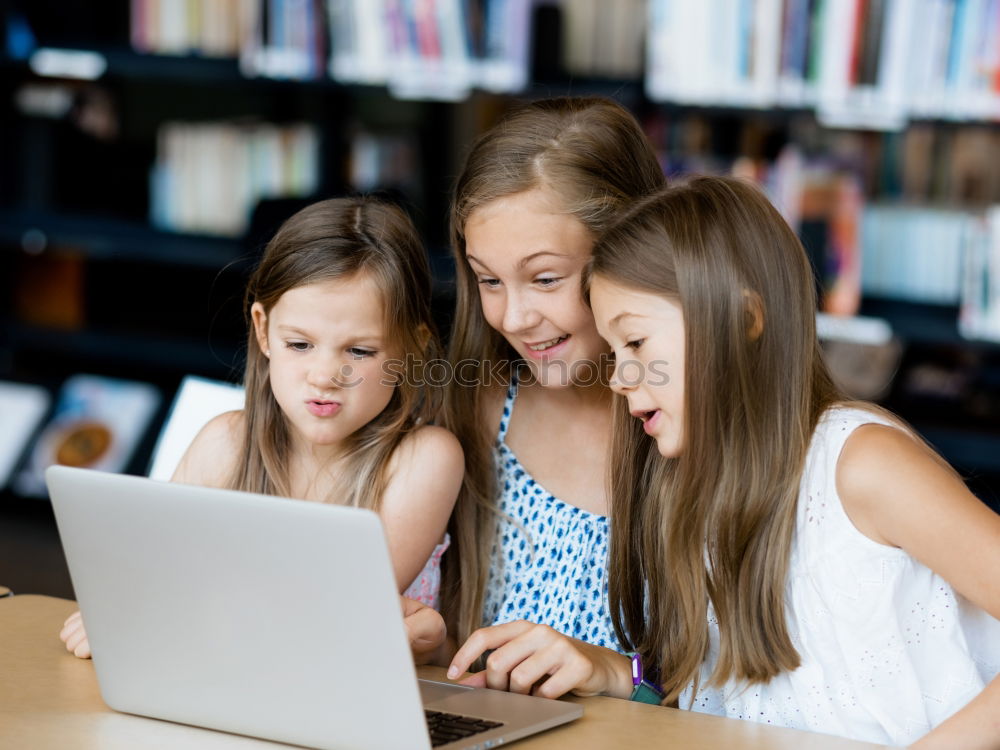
x,y
643,691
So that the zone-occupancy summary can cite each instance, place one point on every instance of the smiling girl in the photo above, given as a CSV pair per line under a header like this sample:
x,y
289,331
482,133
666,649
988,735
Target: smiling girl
x,y
530,529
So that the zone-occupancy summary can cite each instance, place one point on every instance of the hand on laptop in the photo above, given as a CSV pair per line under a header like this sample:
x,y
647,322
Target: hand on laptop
x,y
425,628
74,636
537,660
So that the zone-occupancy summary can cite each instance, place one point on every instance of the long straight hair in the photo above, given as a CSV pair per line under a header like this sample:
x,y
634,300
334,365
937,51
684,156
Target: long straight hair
x,y
342,238
716,523
592,155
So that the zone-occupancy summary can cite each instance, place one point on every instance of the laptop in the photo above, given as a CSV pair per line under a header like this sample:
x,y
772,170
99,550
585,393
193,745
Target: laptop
x,y
261,616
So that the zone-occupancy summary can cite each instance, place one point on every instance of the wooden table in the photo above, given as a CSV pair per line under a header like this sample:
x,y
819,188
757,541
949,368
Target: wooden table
x,y
50,699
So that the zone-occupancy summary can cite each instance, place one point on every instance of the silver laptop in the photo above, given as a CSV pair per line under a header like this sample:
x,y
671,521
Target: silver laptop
x,y
262,616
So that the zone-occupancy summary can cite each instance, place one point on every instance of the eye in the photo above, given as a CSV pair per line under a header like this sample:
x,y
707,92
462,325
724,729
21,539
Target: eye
x,y
548,281
359,353
635,344
489,283
298,346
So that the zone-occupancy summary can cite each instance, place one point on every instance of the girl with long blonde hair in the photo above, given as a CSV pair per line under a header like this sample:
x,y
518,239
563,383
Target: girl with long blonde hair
x,y
528,401
337,408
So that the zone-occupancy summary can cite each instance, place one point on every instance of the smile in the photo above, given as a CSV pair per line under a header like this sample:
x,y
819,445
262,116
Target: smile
x,y
547,344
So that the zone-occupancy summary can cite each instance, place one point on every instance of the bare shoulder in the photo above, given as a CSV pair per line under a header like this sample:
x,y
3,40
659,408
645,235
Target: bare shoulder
x,y
898,492
425,472
888,480
861,460
212,455
429,447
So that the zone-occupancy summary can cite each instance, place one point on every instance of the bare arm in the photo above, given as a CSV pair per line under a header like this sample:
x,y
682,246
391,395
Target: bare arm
x,y
931,514
426,474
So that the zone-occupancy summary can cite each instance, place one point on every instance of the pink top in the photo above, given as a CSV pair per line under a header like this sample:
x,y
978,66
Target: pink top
x,y
426,587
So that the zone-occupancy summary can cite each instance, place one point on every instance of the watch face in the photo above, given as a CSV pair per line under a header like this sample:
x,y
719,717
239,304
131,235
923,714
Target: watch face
x,y
636,668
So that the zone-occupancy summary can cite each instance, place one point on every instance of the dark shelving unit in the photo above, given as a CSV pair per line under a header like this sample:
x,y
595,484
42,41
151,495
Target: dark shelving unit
x,y
48,207
922,323
112,238
141,351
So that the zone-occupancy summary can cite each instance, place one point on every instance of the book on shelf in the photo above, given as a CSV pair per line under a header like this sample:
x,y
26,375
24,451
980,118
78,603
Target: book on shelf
x,y
380,161
208,176
503,65
980,311
211,28
97,423
430,49
419,48
862,63
842,277
863,72
274,38
284,39
913,253
911,244
793,51
603,39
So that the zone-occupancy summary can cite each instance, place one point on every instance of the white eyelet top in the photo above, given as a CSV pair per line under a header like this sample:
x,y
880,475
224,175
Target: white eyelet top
x,y
889,650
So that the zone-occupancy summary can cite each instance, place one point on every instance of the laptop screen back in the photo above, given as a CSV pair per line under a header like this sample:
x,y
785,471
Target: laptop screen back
x,y
258,615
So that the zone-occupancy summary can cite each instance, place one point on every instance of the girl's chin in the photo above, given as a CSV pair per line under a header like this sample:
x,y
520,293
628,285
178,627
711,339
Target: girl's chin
x,y
563,374
668,447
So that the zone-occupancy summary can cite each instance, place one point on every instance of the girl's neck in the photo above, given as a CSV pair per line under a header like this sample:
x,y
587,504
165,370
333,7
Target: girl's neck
x,y
575,396
313,469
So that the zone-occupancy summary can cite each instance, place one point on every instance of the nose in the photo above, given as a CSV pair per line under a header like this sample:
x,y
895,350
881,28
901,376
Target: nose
x,y
623,379
519,314
328,371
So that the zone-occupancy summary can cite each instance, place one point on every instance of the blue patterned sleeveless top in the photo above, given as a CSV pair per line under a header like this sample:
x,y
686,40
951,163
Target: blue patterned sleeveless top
x,y
549,558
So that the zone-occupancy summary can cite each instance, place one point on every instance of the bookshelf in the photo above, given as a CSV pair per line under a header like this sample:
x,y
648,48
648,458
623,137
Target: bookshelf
x,y
79,205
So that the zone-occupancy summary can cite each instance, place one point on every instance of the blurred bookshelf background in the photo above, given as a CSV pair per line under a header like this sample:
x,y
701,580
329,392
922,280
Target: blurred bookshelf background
x,y
148,149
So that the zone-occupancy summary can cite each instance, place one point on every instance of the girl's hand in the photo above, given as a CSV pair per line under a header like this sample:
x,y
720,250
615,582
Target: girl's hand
x,y
425,628
74,636
535,659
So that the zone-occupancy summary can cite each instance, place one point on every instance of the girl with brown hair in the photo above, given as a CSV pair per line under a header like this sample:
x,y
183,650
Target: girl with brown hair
x,y
529,402
778,553
336,410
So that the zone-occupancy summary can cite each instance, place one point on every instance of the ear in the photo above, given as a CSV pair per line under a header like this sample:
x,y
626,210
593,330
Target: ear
x,y
754,307
259,318
423,335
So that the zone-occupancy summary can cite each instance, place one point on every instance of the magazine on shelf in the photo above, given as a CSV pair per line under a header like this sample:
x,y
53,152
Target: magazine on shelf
x,y
22,408
97,423
197,401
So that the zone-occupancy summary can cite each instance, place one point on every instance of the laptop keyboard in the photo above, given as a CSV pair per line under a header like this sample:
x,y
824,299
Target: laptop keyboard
x,y
447,728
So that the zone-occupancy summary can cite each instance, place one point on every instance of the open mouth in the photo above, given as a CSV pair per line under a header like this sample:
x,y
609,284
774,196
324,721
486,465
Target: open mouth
x,y
547,344
650,420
